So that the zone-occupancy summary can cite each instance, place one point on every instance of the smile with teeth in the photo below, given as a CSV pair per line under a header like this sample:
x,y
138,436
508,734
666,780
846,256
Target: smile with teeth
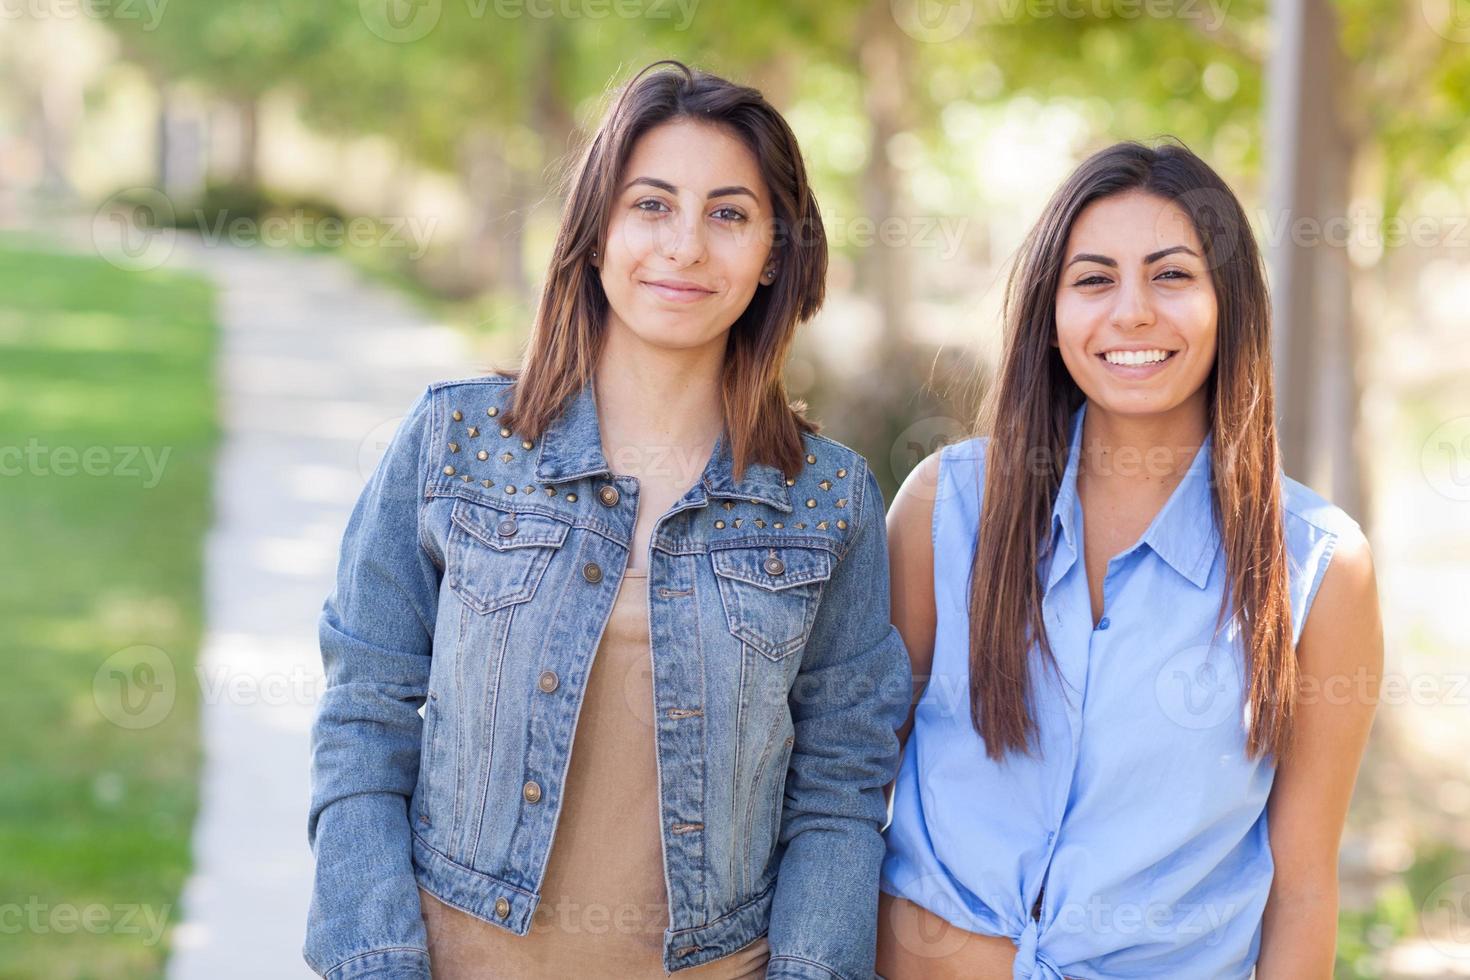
x,y
1134,357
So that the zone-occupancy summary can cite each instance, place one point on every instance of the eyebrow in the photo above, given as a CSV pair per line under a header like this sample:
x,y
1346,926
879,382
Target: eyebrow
x,y
1147,259
664,185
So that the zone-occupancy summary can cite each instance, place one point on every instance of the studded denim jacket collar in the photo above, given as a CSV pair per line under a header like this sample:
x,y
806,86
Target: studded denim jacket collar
x,y
571,448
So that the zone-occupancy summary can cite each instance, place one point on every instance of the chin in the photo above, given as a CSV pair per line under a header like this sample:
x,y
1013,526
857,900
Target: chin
x,y
675,332
1138,403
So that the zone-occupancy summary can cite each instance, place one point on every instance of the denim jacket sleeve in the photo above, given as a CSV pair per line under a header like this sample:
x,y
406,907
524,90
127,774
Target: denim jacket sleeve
x,y
376,632
847,704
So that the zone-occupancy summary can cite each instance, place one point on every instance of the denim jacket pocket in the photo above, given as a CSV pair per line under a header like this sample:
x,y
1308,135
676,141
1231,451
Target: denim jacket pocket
x,y
771,593
496,557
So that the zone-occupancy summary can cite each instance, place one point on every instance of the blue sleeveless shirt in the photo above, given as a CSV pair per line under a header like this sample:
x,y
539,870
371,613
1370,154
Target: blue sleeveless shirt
x,y
1142,814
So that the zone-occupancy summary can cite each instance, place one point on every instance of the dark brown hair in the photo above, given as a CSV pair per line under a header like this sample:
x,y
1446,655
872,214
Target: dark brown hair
x,y
566,340
1028,415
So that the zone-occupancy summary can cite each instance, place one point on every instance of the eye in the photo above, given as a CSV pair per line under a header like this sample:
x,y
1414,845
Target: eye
x,y
656,205
1174,274
1094,279
729,214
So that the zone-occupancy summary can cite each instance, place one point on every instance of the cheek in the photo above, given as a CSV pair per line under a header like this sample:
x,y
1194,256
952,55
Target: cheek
x,y
1073,325
1197,317
741,263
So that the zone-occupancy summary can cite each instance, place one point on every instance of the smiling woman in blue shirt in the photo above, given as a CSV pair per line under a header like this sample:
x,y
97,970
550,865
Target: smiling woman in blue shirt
x,y
1120,602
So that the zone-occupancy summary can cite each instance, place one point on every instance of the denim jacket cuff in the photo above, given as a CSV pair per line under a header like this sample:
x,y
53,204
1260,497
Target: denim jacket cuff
x,y
799,968
398,963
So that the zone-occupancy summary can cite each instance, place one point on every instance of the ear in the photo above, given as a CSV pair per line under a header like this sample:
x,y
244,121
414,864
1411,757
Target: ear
x,y
768,274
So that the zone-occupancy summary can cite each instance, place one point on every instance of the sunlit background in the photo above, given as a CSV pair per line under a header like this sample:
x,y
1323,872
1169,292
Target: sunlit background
x,y
237,238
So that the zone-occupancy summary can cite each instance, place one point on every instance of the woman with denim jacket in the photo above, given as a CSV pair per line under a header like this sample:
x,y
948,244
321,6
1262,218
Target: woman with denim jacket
x,y
635,546
1151,657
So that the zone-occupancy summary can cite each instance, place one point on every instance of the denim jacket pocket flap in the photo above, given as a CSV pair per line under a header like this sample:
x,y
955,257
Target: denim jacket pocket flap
x,y
507,529
771,593
496,557
773,567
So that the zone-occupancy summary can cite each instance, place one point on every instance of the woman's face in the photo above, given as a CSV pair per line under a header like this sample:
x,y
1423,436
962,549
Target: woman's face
x,y
689,236
1135,306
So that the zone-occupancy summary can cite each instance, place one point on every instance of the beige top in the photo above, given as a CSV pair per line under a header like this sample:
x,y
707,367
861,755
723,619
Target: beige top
x,y
603,907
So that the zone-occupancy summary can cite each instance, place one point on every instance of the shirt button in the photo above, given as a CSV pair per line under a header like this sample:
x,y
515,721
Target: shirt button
x,y
608,495
507,527
1103,623
592,572
502,908
548,681
532,791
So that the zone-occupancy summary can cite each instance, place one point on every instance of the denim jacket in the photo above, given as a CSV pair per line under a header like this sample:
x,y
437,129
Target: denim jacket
x,y
477,572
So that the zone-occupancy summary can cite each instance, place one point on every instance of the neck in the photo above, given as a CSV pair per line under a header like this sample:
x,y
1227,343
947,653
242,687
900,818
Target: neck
x,y
1143,450
657,405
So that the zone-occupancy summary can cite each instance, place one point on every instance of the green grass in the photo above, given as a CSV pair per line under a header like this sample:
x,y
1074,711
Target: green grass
x,y
101,370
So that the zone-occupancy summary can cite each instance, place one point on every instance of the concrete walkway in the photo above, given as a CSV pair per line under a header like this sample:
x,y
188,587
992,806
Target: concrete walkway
x,y
316,367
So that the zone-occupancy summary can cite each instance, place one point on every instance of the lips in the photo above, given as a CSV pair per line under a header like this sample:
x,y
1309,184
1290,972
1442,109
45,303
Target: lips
x,y
678,290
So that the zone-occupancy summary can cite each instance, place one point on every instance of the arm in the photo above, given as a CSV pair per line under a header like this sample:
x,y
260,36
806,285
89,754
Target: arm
x,y
911,572
846,705
376,632
1340,655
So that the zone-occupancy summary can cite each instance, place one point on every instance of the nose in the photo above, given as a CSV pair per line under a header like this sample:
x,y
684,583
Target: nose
x,y
1133,305
682,240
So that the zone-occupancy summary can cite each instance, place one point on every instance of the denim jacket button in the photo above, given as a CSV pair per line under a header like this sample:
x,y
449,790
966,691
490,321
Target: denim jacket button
x,y
532,791
774,566
548,681
608,495
502,908
507,527
592,572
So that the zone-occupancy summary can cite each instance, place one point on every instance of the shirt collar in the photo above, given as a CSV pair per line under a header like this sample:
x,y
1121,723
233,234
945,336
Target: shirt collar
x,y
571,448
1184,533
1064,511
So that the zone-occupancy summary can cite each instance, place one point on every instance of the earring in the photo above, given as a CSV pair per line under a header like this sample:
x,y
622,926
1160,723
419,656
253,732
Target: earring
x,y
769,275
594,253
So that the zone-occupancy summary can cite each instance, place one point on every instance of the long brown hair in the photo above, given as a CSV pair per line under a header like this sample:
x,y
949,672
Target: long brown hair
x,y
566,340
1028,414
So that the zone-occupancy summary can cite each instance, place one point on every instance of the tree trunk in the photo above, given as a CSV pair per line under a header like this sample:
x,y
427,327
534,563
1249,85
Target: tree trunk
x,y
1311,156
247,169
883,273
498,195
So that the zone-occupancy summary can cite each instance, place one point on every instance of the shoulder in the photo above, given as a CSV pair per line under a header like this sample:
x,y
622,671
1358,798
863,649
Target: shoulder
x,y
1326,543
835,453
936,477
477,393
1320,533
461,399
1307,509
833,496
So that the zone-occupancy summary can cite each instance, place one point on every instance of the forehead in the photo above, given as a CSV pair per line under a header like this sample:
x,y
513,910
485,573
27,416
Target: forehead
x,y
693,155
1131,224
